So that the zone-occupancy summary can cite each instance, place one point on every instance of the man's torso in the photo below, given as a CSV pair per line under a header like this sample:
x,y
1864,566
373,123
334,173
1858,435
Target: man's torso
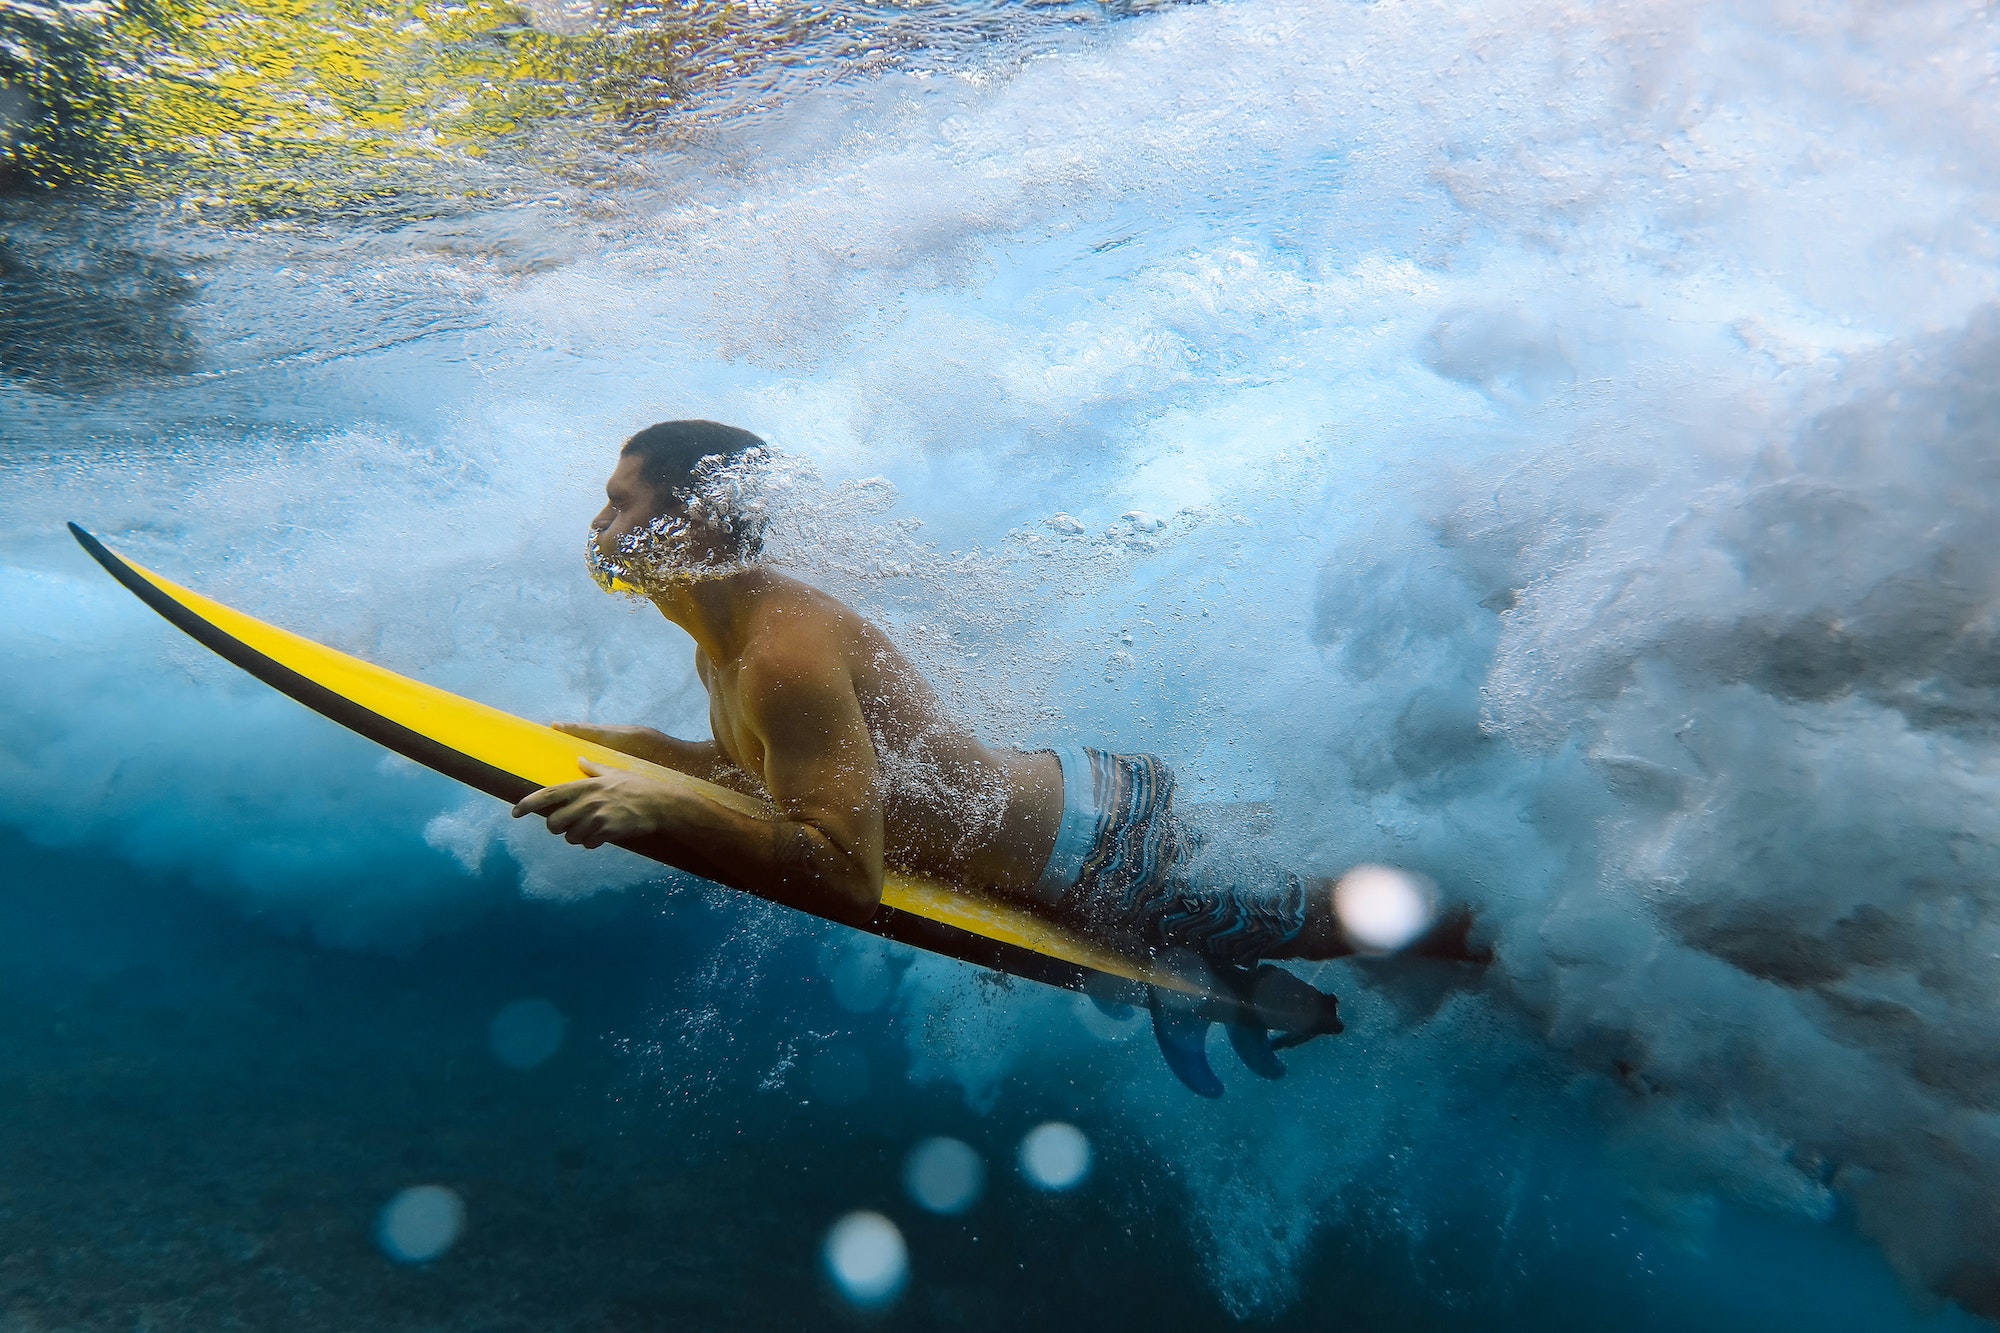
x,y
953,807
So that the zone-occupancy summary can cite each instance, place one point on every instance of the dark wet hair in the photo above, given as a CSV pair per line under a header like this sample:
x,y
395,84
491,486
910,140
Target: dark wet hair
x,y
671,453
668,452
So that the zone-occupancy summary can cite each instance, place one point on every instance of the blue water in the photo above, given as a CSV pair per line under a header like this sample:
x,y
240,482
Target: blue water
x,y
1549,447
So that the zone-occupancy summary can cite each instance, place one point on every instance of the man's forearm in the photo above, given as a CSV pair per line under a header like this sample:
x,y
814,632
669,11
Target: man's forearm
x,y
697,759
787,861
705,760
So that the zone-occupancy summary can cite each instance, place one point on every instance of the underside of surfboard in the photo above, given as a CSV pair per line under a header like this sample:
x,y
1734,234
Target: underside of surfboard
x,y
508,757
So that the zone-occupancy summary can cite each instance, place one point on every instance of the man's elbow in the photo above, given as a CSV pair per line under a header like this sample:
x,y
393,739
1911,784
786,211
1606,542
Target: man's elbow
x,y
854,897
818,873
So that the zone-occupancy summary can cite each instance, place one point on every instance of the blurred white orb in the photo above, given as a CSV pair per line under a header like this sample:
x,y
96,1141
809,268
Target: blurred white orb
x,y
944,1175
1382,908
420,1224
866,1257
526,1033
1055,1156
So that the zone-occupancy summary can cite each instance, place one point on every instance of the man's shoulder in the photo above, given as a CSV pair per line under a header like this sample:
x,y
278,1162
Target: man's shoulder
x,y
793,649
801,621
799,638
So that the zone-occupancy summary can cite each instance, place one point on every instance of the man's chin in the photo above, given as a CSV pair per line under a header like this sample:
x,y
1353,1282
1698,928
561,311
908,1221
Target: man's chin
x,y
657,582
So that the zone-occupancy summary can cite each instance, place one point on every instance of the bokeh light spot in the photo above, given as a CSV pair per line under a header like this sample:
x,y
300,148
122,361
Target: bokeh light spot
x,y
420,1224
866,1258
1381,908
526,1033
1055,1156
944,1175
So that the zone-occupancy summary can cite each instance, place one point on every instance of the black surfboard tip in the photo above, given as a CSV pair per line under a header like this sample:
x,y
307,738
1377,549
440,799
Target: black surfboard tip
x,y
90,543
101,553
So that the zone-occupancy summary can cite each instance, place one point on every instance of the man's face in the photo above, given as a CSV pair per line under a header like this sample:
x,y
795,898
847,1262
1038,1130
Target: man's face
x,y
642,542
629,506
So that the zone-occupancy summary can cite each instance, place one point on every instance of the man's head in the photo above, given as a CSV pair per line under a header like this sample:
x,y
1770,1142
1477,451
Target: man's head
x,y
669,507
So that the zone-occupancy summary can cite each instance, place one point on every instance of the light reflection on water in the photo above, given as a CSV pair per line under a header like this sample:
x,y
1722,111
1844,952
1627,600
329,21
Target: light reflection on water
x,y
262,108
203,201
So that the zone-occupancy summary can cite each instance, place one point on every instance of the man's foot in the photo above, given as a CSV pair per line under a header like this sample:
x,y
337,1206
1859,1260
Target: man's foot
x,y
1263,1009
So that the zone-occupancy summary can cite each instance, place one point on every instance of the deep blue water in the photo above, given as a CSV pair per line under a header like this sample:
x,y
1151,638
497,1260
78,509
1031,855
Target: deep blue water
x,y
204,1115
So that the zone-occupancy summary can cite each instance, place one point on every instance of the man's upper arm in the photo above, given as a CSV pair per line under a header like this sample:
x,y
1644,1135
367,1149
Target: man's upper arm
x,y
819,760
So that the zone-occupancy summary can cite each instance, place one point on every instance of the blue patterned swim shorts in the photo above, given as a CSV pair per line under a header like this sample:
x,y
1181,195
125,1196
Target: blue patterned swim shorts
x,y
1127,867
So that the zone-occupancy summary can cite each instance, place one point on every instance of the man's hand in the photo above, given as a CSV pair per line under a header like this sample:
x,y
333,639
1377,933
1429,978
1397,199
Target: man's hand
x,y
607,806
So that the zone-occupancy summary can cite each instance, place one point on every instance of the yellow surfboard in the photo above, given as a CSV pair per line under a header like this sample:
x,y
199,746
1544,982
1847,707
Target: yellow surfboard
x,y
508,757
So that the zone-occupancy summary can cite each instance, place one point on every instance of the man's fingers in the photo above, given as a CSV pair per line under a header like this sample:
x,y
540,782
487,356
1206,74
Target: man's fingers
x,y
541,802
617,737
573,815
577,810
535,802
586,830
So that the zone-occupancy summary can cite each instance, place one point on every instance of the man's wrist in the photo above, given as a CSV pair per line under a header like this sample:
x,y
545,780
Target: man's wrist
x,y
665,807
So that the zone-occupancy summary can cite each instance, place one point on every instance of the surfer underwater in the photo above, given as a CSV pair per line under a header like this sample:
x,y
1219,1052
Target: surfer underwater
x,y
812,708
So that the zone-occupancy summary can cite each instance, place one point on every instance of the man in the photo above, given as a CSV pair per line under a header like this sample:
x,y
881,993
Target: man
x,y
812,708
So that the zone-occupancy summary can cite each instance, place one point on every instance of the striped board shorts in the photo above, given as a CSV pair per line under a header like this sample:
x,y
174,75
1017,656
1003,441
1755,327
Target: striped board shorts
x,y
1129,869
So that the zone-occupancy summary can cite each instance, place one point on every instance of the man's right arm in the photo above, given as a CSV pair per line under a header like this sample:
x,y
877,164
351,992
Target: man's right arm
x,y
699,759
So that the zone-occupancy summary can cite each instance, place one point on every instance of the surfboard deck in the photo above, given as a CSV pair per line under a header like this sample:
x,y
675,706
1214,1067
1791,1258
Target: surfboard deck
x,y
507,757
